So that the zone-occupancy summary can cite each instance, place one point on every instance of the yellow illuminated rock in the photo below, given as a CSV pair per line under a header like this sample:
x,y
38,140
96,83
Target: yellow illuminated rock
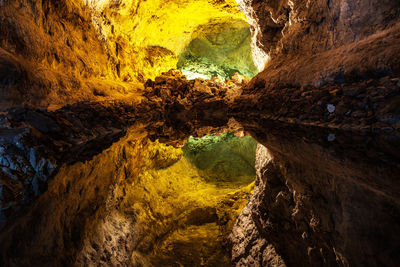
x,y
74,50
147,204
185,216
168,210
149,35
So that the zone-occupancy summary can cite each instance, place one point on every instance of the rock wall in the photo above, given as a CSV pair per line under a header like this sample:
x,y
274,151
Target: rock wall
x,y
79,207
316,205
369,105
44,48
34,144
319,41
54,53
148,36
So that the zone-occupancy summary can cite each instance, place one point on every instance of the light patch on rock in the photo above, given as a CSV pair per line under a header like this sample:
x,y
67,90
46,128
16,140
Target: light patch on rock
x,y
331,108
260,58
331,137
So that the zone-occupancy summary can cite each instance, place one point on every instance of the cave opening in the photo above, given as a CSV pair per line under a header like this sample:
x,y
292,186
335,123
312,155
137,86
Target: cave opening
x,y
203,39
218,49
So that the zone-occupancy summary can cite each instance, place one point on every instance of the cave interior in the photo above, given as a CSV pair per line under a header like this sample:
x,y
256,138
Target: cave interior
x,y
199,133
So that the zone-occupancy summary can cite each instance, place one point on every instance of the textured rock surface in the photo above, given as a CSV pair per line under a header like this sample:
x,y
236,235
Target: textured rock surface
x,y
368,105
44,48
218,49
136,203
149,35
310,43
35,143
332,65
62,52
317,203
81,198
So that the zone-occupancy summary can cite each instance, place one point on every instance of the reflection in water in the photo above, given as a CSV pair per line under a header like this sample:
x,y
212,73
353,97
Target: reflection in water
x,y
185,203
188,208
342,193
144,202
341,187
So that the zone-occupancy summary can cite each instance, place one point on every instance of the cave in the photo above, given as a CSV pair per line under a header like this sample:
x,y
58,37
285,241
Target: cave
x,y
199,133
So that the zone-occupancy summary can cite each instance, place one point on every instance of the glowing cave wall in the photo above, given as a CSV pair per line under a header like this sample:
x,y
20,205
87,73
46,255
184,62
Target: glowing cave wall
x,y
209,38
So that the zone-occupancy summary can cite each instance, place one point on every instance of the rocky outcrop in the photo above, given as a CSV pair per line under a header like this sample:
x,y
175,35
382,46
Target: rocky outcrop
x,y
314,43
368,105
288,27
188,105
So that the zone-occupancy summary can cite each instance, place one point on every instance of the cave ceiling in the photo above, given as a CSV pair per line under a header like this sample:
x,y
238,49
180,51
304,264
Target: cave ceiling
x,y
156,33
